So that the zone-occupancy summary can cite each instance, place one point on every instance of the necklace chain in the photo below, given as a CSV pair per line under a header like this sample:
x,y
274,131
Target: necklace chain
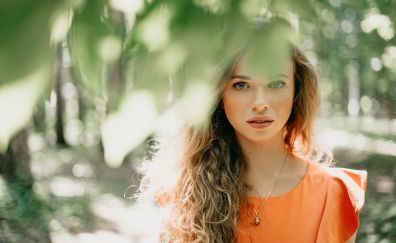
x,y
261,206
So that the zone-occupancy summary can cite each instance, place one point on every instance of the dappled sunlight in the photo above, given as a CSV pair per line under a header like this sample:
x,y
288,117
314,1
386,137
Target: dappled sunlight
x,y
109,48
389,57
366,104
333,138
81,170
140,221
3,191
129,7
66,187
60,26
379,22
73,130
100,236
36,142
154,30
385,184
376,64
46,163
100,88
214,6
173,57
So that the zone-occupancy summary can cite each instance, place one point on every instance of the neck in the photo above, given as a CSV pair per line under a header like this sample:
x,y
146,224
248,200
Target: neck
x,y
264,159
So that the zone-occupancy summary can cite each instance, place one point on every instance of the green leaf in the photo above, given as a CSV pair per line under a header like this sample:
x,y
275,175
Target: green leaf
x,y
25,28
17,102
95,45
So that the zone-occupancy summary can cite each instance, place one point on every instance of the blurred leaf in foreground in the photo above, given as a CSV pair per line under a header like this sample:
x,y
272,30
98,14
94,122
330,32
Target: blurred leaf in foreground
x,y
126,128
24,37
17,102
95,45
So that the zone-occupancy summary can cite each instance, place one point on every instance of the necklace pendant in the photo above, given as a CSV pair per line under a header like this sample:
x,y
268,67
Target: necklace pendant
x,y
257,220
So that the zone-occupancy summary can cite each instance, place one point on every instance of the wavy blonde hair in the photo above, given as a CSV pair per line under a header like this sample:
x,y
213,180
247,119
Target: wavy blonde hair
x,y
210,188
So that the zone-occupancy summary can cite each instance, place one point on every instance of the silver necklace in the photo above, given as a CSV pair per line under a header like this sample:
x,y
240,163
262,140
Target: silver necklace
x,y
261,206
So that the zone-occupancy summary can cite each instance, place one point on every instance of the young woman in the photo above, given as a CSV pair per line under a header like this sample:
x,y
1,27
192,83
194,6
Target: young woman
x,y
249,175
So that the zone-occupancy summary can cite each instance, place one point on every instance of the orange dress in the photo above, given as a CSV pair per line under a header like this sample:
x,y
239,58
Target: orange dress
x,y
324,207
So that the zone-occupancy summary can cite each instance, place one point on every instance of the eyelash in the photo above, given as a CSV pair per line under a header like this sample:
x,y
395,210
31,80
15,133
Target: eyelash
x,y
235,85
270,85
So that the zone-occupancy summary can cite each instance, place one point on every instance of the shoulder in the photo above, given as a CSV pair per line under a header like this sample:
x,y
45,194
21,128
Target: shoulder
x,y
345,184
345,190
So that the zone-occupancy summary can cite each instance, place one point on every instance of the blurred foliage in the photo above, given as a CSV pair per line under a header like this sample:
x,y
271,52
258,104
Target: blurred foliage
x,y
26,61
27,217
123,62
21,210
25,37
117,49
95,44
359,33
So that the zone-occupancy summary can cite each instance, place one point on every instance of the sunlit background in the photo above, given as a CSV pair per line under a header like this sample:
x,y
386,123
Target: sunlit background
x,y
86,84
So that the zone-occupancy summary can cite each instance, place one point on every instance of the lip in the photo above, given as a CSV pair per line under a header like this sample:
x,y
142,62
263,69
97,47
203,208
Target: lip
x,y
260,122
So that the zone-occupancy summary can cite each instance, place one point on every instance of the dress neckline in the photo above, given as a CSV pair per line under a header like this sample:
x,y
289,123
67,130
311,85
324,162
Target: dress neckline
x,y
286,194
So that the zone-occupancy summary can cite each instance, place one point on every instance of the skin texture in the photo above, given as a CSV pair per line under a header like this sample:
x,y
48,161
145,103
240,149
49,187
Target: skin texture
x,y
247,96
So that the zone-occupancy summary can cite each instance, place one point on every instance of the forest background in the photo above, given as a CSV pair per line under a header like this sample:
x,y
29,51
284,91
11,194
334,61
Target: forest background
x,y
76,74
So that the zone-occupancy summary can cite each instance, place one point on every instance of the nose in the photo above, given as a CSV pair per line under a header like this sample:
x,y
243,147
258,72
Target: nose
x,y
260,103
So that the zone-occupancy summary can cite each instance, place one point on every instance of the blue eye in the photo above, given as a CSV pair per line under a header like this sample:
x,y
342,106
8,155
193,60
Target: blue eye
x,y
240,85
276,84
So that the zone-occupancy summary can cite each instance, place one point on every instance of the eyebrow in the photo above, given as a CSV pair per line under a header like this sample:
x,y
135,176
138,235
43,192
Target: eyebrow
x,y
249,78
282,75
240,77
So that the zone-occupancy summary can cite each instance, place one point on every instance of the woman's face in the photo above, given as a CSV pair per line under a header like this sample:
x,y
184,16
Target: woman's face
x,y
258,107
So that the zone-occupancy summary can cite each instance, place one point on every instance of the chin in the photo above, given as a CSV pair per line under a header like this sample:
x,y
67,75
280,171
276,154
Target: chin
x,y
258,138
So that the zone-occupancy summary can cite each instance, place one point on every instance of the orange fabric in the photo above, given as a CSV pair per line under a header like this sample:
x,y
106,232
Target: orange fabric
x,y
324,207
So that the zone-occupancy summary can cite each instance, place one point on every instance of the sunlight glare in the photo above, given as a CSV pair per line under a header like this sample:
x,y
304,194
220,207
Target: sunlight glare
x,y
129,7
381,23
109,48
376,64
353,107
66,187
154,30
60,26
172,58
365,104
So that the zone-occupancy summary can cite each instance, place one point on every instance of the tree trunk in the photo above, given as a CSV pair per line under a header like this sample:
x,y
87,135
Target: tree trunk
x,y
60,101
15,163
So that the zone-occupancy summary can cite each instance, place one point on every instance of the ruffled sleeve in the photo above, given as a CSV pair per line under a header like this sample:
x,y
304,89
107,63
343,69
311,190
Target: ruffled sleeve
x,y
344,200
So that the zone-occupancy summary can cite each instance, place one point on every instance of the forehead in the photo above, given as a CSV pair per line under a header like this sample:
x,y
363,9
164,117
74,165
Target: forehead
x,y
262,68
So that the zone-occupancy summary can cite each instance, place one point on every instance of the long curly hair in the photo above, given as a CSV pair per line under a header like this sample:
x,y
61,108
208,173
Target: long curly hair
x,y
209,188
207,185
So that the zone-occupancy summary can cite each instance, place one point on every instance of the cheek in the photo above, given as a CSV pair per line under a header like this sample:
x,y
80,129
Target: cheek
x,y
229,106
283,102
233,107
